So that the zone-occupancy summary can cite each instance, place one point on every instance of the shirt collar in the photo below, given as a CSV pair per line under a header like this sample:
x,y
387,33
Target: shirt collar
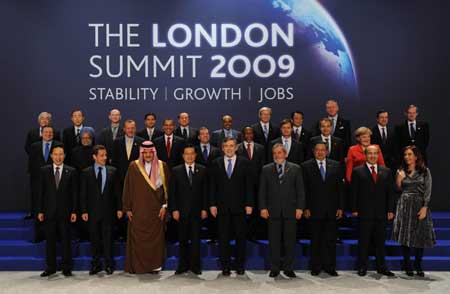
x,y
187,166
375,165
323,137
171,136
60,167
411,122
96,166
324,162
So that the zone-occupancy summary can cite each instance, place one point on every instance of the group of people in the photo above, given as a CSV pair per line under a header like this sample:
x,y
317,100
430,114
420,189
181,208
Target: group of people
x,y
157,184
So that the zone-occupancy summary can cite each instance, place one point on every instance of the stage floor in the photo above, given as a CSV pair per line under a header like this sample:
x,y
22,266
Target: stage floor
x,y
256,282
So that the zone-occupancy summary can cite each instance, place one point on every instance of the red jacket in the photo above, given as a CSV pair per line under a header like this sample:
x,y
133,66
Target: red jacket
x,y
356,157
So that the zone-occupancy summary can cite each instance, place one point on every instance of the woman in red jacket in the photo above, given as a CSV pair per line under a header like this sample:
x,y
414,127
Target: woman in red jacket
x,y
356,156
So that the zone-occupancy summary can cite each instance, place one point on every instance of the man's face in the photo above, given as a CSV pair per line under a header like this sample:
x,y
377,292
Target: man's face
x,y
227,122
248,134
332,108
57,155
411,113
148,155
297,119
320,151
372,154
325,128
86,139
279,155
383,119
129,129
189,155
150,121
265,115
77,118
286,130
183,119
229,148
203,136
47,134
101,157
114,116
44,120
168,127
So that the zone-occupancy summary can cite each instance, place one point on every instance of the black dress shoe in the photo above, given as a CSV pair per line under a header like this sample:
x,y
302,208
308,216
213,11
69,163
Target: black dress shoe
x,y
315,273
290,274
420,273
196,272
332,273
47,273
274,274
109,270
95,270
362,272
181,271
67,273
386,273
226,272
240,271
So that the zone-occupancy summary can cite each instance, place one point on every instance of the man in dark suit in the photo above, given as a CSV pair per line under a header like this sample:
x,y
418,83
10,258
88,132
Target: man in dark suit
x,y
231,198
372,189
340,126
56,206
281,202
39,156
71,135
226,131
335,146
324,190
206,152
34,135
185,131
385,137
150,132
169,146
108,134
188,189
296,150
101,204
264,131
413,132
299,133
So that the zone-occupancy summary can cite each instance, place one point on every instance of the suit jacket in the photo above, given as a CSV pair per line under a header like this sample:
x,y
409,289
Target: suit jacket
x,y
214,153
105,138
70,141
100,206
388,148
193,135
176,146
119,158
296,152
33,135
342,131
337,148
372,200
304,137
356,157
188,199
144,134
231,195
421,139
274,132
57,204
36,158
323,198
219,135
258,157
283,197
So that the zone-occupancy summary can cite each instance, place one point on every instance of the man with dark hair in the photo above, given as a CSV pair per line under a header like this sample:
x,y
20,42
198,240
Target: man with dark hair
x,y
264,131
101,204
226,131
108,134
57,206
150,132
206,152
335,146
295,149
169,146
188,189
299,133
184,130
384,136
71,136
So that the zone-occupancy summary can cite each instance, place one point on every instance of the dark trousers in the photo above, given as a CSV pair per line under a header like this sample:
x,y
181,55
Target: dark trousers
x,y
323,244
53,228
227,223
282,236
100,233
189,230
407,258
369,229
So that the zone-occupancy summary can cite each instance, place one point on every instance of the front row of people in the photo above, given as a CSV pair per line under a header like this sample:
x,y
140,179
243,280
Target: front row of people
x,y
287,192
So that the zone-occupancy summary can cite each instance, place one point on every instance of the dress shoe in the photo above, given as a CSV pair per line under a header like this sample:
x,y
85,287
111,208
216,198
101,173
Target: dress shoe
x,y
95,270
362,272
240,271
109,270
332,273
47,273
315,273
386,273
67,273
181,271
196,272
274,274
290,274
420,274
226,272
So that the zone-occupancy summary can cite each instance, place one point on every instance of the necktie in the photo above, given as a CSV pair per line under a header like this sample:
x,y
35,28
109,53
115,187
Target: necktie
x,y
327,141
150,134
100,180
333,121
78,136
129,146
286,145
205,152
249,150
57,177
280,171
383,134
190,175
168,147
297,134
184,133
114,132
46,151
229,168
412,130
322,170
266,131
374,173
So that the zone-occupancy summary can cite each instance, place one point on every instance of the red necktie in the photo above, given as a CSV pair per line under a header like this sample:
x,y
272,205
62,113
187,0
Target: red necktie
x,y
249,150
374,174
168,147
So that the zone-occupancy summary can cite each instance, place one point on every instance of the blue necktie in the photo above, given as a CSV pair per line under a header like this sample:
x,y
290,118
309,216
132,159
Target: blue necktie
x,y
280,171
322,170
46,151
205,152
266,132
229,168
